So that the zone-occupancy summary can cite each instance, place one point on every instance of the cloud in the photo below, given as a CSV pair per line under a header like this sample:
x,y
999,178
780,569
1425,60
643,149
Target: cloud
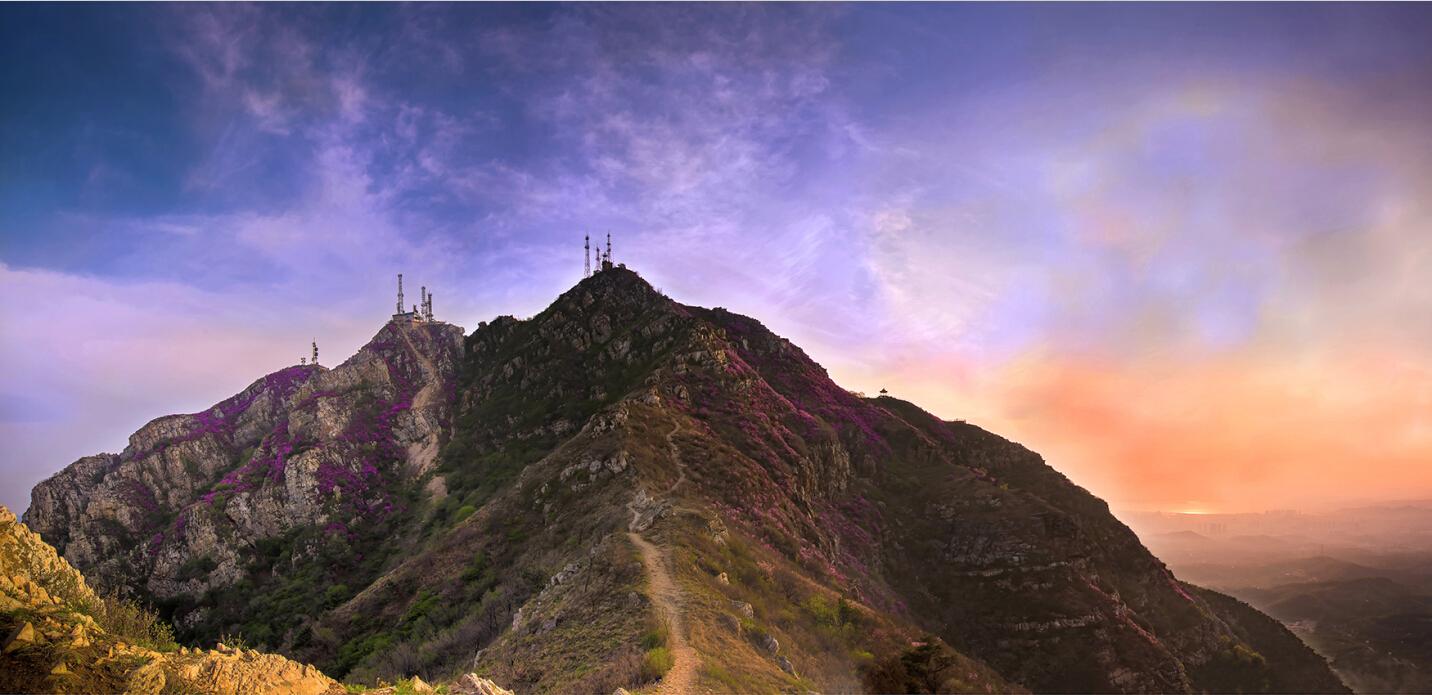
x,y
1216,296
89,360
1131,269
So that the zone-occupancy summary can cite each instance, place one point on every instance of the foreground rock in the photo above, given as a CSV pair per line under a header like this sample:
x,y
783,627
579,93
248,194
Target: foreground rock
x,y
55,643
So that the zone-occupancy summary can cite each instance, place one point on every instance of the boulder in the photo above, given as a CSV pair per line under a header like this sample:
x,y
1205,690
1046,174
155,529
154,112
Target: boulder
x,y
473,684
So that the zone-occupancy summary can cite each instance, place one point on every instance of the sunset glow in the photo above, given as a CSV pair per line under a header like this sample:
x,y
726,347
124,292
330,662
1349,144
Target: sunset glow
x,y
1182,251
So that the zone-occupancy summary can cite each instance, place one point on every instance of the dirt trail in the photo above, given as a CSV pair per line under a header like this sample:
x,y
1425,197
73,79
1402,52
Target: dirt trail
x,y
675,456
665,595
681,678
429,392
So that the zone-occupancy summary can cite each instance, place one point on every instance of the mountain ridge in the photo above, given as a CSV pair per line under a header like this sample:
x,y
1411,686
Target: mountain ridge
x,y
814,535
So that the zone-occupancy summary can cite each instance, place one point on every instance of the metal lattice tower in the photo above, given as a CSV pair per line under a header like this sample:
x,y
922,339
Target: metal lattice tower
x,y
429,307
609,248
400,293
586,255
315,351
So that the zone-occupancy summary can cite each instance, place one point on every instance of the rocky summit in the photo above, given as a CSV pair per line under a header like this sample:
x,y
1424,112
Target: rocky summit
x,y
627,492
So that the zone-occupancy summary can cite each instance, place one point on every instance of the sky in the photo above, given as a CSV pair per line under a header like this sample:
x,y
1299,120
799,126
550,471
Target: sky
x,y
1183,251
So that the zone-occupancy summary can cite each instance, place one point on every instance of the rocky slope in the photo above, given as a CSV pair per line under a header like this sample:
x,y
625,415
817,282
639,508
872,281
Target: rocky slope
x,y
307,458
60,637
618,457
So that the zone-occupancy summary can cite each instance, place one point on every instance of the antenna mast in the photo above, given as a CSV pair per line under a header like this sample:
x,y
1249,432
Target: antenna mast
x,y
315,351
609,248
400,293
586,255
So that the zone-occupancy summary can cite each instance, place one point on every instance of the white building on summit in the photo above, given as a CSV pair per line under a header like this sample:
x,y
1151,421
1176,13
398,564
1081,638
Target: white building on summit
x,y
420,312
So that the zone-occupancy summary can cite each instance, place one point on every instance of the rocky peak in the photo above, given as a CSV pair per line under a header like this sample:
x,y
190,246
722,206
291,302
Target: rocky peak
x,y
303,446
400,338
612,289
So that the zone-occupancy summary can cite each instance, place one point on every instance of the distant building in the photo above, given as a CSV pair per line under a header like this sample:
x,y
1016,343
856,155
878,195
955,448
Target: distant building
x,y
420,312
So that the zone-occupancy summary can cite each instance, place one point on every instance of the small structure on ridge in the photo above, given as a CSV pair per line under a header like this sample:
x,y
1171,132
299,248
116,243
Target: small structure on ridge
x,y
422,311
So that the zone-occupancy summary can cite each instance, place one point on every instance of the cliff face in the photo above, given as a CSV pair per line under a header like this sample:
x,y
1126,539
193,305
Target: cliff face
x,y
179,512
540,499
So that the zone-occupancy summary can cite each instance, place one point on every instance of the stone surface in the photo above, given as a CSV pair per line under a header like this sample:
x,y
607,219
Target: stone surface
x,y
78,655
473,684
171,515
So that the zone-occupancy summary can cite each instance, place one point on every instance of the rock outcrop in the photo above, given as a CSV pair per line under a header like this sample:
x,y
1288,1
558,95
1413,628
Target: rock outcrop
x,y
179,512
59,638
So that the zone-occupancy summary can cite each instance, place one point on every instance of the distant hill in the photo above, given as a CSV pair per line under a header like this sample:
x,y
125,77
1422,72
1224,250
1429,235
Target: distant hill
x,y
1354,584
1376,632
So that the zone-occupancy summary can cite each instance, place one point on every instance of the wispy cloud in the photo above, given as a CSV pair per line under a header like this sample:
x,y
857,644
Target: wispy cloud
x,y
1041,220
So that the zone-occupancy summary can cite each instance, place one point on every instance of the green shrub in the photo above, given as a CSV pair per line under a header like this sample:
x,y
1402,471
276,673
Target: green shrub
x,y
417,612
929,667
359,648
132,622
463,512
336,594
196,567
653,638
476,569
753,631
655,663
234,641
721,675
824,612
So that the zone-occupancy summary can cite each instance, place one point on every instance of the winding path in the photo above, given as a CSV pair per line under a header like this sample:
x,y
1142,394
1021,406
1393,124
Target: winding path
x,y
667,599
665,595
429,392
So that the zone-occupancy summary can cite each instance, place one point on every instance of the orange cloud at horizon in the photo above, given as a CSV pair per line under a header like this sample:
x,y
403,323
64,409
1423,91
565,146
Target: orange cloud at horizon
x,y
1238,433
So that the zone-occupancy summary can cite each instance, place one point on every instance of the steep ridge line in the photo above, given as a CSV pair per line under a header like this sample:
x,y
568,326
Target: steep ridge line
x,y
665,595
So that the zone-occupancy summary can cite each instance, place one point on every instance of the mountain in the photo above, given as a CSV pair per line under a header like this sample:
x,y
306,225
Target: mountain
x,y
1355,584
1376,632
624,490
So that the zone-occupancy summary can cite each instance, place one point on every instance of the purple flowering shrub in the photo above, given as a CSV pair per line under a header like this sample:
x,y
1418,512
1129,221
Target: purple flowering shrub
x,y
359,477
220,423
783,417
221,420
